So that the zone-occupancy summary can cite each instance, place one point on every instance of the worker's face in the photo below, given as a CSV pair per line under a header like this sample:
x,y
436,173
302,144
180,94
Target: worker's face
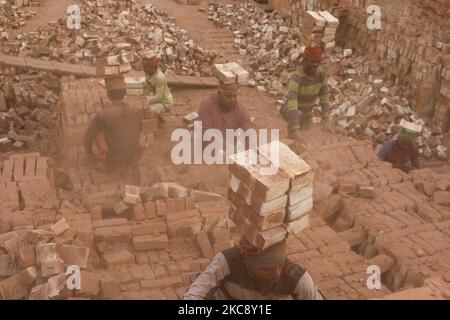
x,y
266,276
150,67
310,66
227,101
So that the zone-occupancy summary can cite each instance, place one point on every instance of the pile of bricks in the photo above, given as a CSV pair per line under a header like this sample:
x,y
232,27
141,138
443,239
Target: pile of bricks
x,y
374,110
381,211
318,29
266,206
12,16
27,109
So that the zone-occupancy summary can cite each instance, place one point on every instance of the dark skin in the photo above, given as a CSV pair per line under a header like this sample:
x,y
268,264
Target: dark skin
x,y
150,66
227,102
310,66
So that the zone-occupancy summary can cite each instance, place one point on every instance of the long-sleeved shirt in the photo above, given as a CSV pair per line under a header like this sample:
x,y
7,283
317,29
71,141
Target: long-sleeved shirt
x,y
304,90
390,152
213,118
157,85
121,126
227,278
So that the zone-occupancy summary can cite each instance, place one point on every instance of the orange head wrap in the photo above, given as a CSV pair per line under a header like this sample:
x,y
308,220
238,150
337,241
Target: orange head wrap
x,y
314,53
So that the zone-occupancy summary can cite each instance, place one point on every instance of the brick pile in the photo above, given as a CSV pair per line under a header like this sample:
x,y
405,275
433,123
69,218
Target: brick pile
x,y
266,207
27,109
379,210
318,29
12,16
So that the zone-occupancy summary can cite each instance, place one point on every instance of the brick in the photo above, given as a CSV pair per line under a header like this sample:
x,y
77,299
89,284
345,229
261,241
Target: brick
x,y
45,251
169,294
150,209
160,272
161,209
132,195
300,209
152,284
170,206
220,235
184,227
385,262
90,284
75,255
189,203
148,228
109,288
424,293
28,275
7,236
39,292
113,234
119,257
51,267
171,217
221,246
13,245
27,256
205,245
353,236
180,204
110,223
150,242
13,288
173,270
299,225
96,213
442,197
265,239
137,212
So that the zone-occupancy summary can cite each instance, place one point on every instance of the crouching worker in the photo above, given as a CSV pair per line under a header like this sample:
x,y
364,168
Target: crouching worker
x,y
116,129
243,273
159,95
404,149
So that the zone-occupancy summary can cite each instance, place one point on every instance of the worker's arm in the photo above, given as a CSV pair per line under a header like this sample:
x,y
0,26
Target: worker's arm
x,y
160,85
293,88
324,96
209,279
386,150
415,160
306,289
92,131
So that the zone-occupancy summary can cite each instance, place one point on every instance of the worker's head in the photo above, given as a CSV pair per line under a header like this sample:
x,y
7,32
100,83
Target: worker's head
x,y
150,61
115,87
227,96
405,137
265,266
311,60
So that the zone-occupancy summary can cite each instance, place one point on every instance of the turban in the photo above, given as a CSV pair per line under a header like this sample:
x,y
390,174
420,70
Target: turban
x,y
314,53
273,256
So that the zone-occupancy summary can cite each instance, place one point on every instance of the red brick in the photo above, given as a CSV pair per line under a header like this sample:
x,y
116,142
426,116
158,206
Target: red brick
x,y
189,203
161,208
74,255
13,288
170,205
27,256
180,204
96,213
90,284
52,267
119,257
137,212
150,209
113,234
184,227
205,245
148,228
110,223
182,215
149,242
109,288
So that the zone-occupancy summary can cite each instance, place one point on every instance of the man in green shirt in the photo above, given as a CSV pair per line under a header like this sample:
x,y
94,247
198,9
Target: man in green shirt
x,y
160,97
307,84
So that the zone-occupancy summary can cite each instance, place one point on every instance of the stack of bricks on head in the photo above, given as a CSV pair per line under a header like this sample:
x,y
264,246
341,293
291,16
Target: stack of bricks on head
x,y
318,29
271,191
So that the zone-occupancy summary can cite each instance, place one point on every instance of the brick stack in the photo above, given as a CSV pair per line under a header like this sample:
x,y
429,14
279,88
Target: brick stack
x,y
318,29
267,207
230,73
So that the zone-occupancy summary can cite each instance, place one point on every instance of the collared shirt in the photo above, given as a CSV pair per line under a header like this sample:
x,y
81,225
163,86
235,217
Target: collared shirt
x,y
157,84
304,90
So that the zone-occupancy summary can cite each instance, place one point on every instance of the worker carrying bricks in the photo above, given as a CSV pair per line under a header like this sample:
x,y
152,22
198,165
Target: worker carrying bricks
x,y
222,111
116,129
243,273
403,149
159,95
307,84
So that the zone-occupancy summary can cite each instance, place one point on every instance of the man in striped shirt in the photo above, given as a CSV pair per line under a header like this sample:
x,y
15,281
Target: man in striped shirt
x,y
307,84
